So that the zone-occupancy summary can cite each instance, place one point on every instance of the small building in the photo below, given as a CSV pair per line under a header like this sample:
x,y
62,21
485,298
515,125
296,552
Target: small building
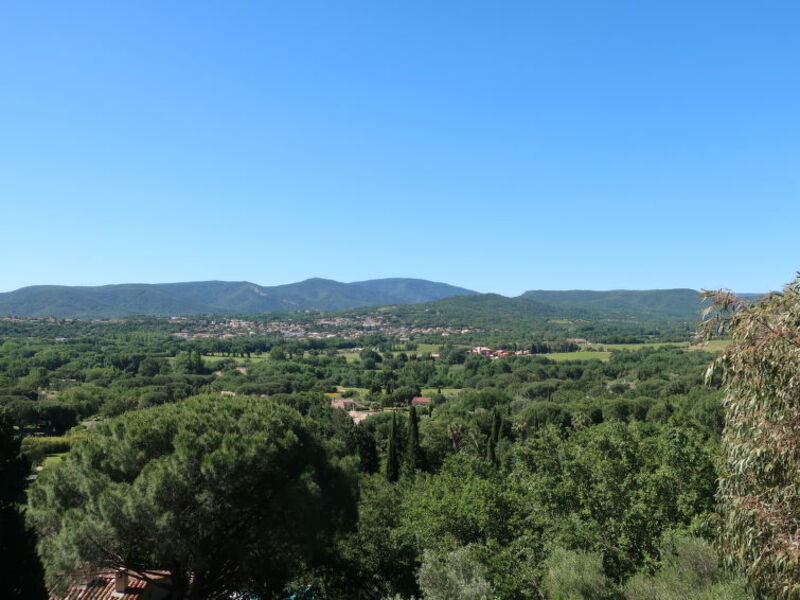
x,y
481,350
118,585
420,401
360,415
343,403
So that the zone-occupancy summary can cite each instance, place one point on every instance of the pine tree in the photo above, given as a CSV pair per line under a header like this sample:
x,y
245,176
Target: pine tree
x,y
392,462
414,460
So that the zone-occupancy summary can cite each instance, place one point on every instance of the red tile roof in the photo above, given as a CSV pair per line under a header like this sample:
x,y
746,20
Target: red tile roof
x,y
100,586
420,400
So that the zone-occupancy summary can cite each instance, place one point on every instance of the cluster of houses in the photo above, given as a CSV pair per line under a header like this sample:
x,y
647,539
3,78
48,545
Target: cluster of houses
x,y
484,351
345,327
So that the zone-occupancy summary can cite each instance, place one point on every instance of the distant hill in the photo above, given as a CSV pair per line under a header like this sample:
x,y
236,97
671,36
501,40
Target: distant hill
x,y
677,303
217,297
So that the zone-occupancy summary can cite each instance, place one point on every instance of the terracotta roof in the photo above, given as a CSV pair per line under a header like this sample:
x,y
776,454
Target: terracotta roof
x,y
420,400
100,586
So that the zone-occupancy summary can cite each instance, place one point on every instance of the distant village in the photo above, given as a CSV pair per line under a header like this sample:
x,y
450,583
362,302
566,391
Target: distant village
x,y
348,328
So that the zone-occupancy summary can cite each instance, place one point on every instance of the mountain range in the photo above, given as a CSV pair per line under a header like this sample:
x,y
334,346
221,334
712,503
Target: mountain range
x,y
217,297
243,297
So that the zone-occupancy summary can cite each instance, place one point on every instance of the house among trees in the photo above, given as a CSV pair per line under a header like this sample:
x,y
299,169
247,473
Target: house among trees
x,y
343,403
420,401
481,350
118,585
360,415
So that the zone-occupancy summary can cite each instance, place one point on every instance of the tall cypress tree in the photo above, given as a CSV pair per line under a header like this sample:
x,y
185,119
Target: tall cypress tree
x,y
494,437
414,460
392,460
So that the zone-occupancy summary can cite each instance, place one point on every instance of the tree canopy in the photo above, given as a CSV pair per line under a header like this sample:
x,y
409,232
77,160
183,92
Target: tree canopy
x,y
231,496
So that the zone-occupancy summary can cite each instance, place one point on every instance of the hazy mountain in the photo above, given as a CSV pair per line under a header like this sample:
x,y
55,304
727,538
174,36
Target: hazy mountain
x,y
217,297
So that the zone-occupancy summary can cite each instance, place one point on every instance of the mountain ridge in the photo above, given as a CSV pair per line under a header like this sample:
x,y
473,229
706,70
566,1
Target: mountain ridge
x,y
217,297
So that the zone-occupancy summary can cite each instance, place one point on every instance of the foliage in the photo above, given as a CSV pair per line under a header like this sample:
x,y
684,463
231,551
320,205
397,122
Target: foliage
x,y
239,493
392,454
758,493
572,575
689,570
516,457
455,576
414,460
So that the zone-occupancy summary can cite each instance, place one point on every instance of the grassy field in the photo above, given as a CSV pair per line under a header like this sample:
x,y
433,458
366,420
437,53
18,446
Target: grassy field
x,y
350,356
361,391
712,346
53,459
426,349
581,355
610,347
212,360
446,391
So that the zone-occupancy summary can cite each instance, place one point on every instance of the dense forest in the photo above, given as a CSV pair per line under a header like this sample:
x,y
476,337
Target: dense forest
x,y
412,465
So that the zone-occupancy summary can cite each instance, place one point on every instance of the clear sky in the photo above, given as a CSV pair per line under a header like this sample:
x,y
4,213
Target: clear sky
x,y
501,146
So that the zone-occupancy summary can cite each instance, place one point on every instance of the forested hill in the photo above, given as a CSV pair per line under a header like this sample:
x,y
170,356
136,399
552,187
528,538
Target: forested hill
x,y
678,303
217,297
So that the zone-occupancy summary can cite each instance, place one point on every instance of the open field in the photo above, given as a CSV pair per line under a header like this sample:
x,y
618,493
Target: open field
x,y
445,391
361,391
350,356
53,459
212,360
581,355
426,349
712,346
611,347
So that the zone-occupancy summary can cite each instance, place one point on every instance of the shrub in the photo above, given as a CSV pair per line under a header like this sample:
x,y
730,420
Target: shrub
x,y
575,575
690,571
455,576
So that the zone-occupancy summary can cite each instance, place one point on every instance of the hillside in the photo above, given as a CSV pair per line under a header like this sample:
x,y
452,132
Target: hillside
x,y
677,303
217,297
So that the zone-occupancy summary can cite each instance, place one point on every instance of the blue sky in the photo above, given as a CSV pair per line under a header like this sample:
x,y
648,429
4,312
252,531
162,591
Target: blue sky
x,y
501,146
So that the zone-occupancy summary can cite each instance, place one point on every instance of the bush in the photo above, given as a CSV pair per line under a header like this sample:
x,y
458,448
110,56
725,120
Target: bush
x,y
455,576
690,571
572,575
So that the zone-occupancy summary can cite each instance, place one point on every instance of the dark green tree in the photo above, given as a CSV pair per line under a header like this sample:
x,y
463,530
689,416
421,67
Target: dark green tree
x,y
360,442
494,437
414,457
392,459
232,496
20,570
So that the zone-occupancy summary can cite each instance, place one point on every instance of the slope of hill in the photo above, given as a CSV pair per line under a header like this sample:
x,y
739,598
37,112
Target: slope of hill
x,y
677,303
217,297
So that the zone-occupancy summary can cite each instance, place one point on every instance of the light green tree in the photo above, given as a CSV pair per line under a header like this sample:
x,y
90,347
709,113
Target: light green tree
x,y
456,575
758,496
